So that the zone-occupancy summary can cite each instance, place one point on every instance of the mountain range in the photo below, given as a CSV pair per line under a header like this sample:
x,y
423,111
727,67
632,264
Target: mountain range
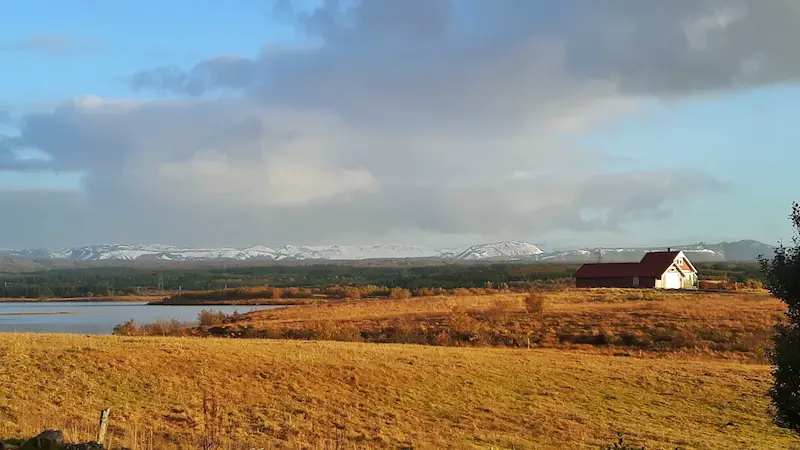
x,y
746,250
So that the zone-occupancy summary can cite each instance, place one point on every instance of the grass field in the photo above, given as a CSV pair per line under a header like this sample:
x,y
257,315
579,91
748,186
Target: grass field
x,y
729,324
297,394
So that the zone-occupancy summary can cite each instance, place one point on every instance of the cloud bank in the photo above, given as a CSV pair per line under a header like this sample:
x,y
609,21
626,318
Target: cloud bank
x,y
424,117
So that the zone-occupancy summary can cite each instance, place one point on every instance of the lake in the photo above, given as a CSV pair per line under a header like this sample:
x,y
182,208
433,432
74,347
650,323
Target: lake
x,y
97,317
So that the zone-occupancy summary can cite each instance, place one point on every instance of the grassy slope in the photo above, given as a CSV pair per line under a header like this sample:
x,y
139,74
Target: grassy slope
x,y
739,324
279,394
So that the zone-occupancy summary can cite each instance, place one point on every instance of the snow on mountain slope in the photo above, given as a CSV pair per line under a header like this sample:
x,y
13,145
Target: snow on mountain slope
x,y
497,251
501,250
697,253
137,252
354,252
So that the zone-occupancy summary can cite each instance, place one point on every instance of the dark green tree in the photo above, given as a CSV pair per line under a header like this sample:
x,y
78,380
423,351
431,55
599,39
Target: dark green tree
x,y
782,275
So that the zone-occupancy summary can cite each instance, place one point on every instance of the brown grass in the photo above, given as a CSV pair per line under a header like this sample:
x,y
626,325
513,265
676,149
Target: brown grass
x,y
737,324
168,393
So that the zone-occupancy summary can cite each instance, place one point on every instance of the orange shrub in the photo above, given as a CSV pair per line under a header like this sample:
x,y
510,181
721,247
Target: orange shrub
x,y
534,302
398,293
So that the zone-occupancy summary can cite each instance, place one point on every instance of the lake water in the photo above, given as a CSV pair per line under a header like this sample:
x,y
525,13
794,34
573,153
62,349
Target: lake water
x,y
97,317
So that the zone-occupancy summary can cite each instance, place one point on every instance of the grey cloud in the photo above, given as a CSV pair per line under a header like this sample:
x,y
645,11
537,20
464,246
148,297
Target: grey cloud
x,y
239,168
408,117
644,48
223,72
9,159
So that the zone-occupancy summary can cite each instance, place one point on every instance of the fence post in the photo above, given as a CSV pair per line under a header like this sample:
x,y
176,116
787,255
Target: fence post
x,y
101,433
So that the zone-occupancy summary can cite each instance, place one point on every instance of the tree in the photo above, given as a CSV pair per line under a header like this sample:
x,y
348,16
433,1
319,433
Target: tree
x,y
782,274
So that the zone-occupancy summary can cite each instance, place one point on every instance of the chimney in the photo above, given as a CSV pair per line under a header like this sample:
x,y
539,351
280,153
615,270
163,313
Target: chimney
x,y
669,249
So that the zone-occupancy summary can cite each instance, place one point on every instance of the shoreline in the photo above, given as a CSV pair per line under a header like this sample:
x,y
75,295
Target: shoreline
x,y
127,299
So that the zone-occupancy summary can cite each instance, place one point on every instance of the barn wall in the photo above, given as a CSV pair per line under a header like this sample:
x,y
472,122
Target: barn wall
x,y
618,282
647,282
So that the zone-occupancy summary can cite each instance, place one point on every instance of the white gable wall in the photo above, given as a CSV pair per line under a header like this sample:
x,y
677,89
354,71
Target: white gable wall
x,y
675,278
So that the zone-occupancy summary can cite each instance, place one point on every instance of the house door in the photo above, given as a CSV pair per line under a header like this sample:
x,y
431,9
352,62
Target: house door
x,y
672,280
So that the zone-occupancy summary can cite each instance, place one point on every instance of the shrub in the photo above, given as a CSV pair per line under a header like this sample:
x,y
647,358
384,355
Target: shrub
x,y
210,318
423,292
162,328
352,292
463,327
534,302
295,292
754,284
125,329
398,293
500,310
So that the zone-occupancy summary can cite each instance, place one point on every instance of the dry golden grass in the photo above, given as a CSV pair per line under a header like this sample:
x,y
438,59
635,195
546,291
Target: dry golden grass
x,y
737,324
295,394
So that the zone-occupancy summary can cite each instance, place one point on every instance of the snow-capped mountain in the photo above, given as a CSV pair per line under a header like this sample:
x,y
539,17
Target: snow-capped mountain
x,y
354,252
497,251
146,252
501,250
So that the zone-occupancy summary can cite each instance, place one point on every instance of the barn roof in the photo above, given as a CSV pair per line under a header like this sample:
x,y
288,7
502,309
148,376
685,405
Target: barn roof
x,y
608,270
659,258
653,264
656,263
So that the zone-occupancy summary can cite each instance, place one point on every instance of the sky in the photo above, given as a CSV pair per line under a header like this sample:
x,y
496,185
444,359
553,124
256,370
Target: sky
x,y
447,123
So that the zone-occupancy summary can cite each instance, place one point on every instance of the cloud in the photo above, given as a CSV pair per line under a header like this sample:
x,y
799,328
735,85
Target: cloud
x,y
221,72
669,48
49,44
415,118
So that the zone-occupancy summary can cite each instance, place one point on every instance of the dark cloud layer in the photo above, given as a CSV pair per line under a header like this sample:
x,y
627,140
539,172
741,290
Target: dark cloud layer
x,y
425,116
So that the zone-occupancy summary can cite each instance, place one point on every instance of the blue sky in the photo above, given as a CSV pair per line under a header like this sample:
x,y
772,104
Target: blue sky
x,y
434,122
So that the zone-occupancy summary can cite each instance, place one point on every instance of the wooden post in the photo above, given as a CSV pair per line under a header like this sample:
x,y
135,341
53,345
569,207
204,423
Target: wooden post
x,y
101,433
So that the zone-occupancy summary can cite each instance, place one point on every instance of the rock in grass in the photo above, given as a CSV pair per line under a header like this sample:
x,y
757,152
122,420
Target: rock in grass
x,y
46,440
7,446
86,446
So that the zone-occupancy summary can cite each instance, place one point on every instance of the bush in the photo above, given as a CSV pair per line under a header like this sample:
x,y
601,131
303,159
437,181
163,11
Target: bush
x,y
210,318
463,327
125,329
500,310
399,293
162,328
534,302
754,284
352,292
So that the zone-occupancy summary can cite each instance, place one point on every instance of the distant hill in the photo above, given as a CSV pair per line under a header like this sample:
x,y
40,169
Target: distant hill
x,y
15,264
746,250
27,260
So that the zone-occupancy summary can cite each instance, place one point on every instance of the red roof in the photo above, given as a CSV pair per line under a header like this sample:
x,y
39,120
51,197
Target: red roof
x,y
653,264
608,270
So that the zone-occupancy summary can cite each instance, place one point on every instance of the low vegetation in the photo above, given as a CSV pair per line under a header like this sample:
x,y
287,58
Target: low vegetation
x,y
171,393
731,324
122,282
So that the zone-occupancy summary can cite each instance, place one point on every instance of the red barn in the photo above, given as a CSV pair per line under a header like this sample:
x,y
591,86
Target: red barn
x,y
662,270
